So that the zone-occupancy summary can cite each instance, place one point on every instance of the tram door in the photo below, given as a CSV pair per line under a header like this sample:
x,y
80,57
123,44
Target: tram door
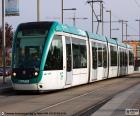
x,y
69,77
94,61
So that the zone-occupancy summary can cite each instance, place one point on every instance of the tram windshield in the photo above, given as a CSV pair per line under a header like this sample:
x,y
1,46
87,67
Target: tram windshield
x,y
28,47
28,52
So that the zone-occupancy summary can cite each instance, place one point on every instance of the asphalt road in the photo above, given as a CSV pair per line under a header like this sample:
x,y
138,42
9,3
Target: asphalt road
x,y
82,100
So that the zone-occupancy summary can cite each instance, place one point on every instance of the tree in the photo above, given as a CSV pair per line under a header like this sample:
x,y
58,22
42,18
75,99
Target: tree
x,y
8,35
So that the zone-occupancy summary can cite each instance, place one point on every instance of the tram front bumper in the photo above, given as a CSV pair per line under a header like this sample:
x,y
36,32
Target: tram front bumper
x,y
25,87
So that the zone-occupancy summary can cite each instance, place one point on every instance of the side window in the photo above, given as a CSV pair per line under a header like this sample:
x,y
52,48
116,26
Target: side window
x,y
121,57
68,54
55,55
131,58
126,58
113,55
94,55
76,53
104,56
100,55
79,53
83,52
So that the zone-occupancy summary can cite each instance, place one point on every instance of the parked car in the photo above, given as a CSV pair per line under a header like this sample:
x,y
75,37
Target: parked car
x,y
8,71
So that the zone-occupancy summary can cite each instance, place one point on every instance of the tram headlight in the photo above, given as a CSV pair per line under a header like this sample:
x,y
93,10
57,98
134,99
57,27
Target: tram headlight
x,y
14,74
36,73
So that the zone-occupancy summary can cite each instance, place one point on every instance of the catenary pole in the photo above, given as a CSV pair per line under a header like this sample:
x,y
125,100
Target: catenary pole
x,y
110,23
62,6
38,10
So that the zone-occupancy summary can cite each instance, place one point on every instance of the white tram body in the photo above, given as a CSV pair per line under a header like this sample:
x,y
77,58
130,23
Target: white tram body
x,y
70,57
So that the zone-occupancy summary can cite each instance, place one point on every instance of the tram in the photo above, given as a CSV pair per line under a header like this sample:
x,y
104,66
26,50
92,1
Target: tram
x,y
50,56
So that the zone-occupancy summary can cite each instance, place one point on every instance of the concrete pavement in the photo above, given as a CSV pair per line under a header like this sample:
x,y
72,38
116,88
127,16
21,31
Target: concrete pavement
x,y
126,103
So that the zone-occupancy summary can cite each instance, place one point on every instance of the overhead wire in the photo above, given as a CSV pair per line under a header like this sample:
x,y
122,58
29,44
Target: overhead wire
x,y
129,26
117,17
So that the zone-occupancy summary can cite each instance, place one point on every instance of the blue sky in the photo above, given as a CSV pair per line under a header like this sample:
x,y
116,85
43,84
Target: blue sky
x,y
51,10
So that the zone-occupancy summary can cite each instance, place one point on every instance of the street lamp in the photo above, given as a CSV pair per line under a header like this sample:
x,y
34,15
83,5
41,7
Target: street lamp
x,y
38,10
70,9
126,30
115,29
110,21
75,18
139,27
92,11
74,9
122,21
62,10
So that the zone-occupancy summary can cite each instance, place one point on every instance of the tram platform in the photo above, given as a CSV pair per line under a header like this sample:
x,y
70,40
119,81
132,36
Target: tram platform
x,y
126,103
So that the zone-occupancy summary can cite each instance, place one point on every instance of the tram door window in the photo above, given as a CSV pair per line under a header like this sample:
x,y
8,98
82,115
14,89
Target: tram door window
x,y
121,57
100,55
104,56
131,58
125,58
55,55
68,54
94,55
113,52
79,53
69,76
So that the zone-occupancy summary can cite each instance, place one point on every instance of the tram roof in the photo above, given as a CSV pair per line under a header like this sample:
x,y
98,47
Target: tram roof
x,y
112,41
121,44
70,29
128,46
96,37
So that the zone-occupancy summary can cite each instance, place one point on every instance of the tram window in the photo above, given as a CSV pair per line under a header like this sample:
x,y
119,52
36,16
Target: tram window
x,y
68,54
100,55
83,52
104,56
126,58
55,55
121,57
79,53
28,52
131,58
76,55
113,52
94,55
34,29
